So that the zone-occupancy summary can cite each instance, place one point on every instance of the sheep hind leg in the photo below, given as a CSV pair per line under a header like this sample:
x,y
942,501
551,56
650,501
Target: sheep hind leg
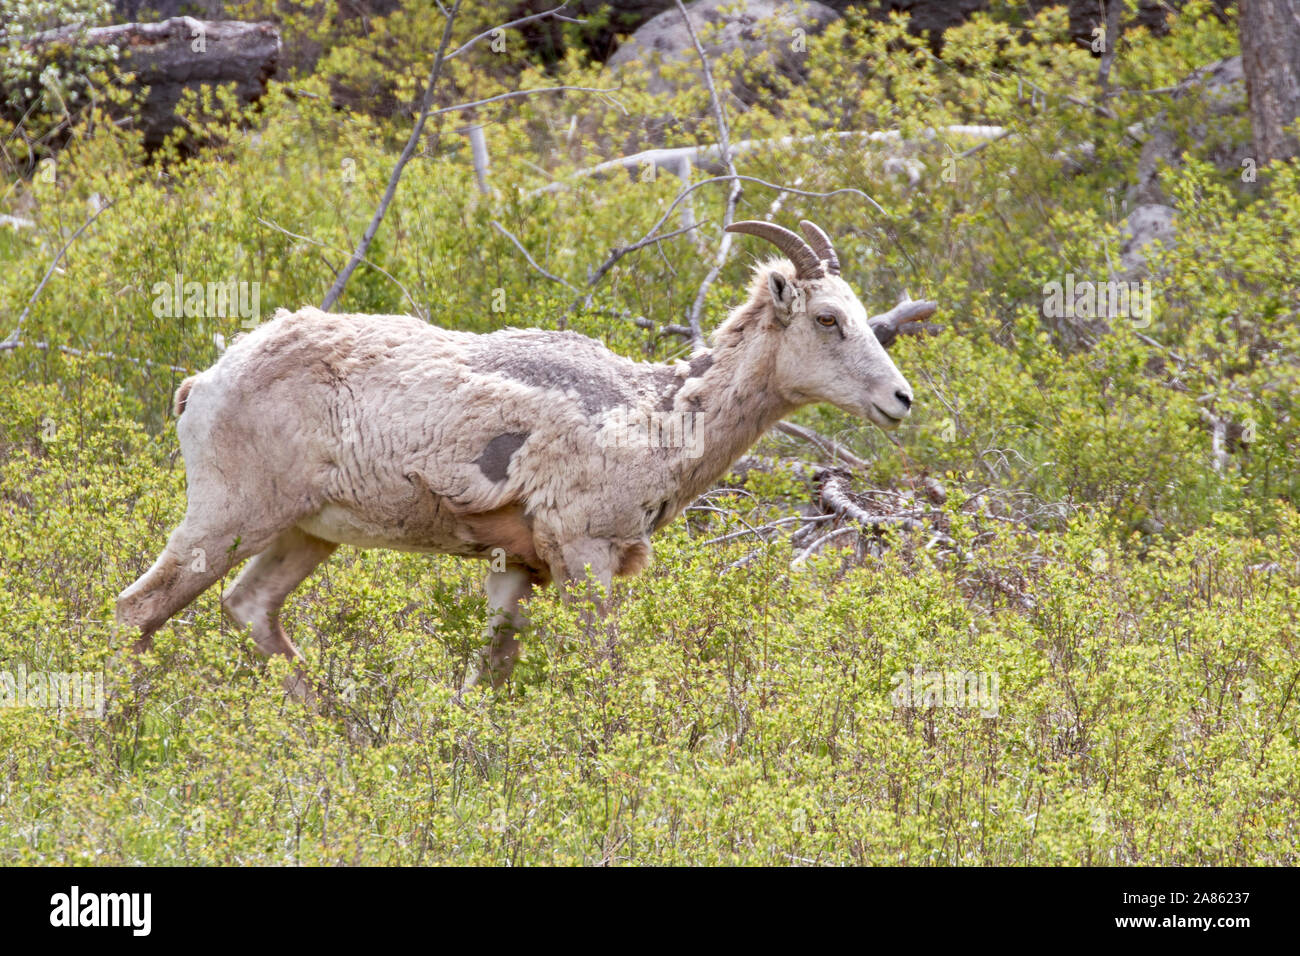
x,y
257,594
196,557
506,591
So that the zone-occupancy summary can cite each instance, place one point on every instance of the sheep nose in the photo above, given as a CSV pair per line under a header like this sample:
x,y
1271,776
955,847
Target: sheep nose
x,y
903,397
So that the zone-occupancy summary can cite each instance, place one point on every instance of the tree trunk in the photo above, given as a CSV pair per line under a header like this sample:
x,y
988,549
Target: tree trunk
x,y
1270,56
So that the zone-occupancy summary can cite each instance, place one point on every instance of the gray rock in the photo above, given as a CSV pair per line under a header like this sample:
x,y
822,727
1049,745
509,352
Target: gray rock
x,y
1207,118
1145,224
761,26
549,38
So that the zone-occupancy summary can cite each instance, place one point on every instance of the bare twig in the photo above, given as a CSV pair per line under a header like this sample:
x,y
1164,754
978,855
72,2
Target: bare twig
x,y
520,246
15,341
1157,91
770,526
779,201
835,496
16,335
964,154
417,131
469,44
718,115
621,251
1098,108
1218,432
478,152
679,160
828,446
10,344
651,237
641,322
724,141
733,515
382,271
517,93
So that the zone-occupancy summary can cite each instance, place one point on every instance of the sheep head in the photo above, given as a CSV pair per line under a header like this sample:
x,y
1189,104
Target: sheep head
x,y
828,352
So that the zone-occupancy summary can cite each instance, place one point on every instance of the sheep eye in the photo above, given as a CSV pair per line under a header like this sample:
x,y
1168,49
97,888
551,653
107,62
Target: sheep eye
x,y
826,320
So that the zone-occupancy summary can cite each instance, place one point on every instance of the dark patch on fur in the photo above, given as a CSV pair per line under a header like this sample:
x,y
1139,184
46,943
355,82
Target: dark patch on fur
x,y
547,360
495,460
701,364
668,381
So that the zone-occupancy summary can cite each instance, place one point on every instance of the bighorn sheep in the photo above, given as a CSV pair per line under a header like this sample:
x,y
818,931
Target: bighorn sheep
x,y
542,449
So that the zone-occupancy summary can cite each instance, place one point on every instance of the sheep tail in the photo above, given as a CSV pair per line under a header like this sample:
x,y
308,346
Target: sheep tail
x,y
182,396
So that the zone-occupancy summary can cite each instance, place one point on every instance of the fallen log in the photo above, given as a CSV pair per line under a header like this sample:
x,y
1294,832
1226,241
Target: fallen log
x,y
171,56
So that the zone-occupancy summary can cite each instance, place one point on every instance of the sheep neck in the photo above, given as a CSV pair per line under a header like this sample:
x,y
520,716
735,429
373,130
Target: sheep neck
x,y
737,404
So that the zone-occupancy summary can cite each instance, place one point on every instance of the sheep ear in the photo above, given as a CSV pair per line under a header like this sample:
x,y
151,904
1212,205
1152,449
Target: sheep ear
x,y
783,297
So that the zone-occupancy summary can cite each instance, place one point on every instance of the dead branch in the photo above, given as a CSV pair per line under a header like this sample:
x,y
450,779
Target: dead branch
x,y
802,557
835,496
520,246
901,320
9,344
417,131
651,237
16,335
679,160
618,253
827,446
967,153
1218,431
458,107
769,527
382,271
554,12
641,322
724,142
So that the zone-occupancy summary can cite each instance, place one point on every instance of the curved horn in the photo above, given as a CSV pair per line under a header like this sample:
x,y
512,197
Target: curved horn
x,y
807,264
821,244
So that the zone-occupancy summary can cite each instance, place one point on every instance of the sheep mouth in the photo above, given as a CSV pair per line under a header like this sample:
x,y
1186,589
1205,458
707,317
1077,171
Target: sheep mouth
x,y
892,420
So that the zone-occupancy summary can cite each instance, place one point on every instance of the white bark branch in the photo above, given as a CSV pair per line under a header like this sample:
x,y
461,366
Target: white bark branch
x,y
675,159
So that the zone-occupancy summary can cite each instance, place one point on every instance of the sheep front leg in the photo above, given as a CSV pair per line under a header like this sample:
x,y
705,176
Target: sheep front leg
x,y
506,592
584,562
